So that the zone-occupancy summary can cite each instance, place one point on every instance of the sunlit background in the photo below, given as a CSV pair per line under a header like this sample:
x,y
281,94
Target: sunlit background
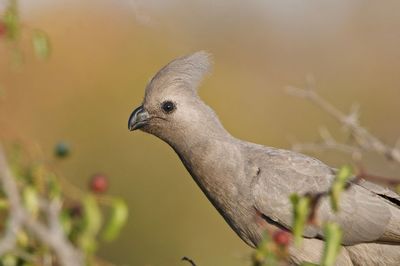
x,y
105,51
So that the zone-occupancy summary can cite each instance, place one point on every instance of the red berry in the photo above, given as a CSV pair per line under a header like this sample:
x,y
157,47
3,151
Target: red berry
x,y
98,183
3,28
281,237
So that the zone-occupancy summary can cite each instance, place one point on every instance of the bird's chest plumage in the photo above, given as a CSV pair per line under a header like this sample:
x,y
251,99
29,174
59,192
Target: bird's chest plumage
x,y
222,177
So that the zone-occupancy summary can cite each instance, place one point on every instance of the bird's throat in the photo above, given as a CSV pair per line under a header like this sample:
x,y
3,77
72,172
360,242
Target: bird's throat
x,y
213,165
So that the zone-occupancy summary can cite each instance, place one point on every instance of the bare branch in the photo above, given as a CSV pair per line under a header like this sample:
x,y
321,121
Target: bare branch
x,y
189,260
329,143
364,139
16,215
52,236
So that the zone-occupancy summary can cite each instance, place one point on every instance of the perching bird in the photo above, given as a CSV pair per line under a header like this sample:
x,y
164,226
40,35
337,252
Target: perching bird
x,y
250,184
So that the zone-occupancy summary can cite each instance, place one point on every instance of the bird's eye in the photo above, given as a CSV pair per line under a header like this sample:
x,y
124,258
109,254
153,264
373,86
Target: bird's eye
x,y
168,106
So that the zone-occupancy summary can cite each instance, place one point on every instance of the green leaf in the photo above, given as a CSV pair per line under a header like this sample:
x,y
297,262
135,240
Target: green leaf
x,y
9,260
41,44
53,186
31,200
92,224
23,239
333,238
4,204
301,211
66,222
343,175
118,218
11,21
92,215
87,243
265,254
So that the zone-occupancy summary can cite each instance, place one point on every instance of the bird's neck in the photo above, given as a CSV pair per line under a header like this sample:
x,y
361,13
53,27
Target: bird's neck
x,y
212,160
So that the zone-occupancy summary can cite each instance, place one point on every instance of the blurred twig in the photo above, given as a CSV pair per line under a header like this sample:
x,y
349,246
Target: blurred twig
x,y
16,215
189,260
365,141
50,233
329,143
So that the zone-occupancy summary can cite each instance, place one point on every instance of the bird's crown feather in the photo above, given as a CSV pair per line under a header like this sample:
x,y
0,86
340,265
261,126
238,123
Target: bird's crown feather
x,y
187,71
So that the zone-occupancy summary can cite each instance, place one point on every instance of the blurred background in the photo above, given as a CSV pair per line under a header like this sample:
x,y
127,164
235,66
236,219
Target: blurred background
x,y
105,51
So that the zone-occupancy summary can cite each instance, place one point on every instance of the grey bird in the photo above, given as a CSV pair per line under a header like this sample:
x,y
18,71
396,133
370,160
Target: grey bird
x,y
250,184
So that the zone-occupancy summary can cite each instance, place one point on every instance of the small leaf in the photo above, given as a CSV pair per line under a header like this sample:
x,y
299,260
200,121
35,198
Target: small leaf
x,y
41,44
9,260
53,186
87,243
37,174
333,238
11,21
92,224
92,215
343,175
4,204
23,239
119,216
266,252
66,223
301,210
31,200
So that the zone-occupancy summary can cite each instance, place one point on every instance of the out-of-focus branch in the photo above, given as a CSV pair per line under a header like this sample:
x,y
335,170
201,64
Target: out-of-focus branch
x,y
364,139
329,143
51,234
189,260
16,215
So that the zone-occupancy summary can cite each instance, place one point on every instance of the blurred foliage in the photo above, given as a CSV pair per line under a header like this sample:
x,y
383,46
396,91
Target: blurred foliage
x,y
117,220
12,28
11,22
333,239
340,183
273,249
41,44
88,218
304,207
119,53
301,211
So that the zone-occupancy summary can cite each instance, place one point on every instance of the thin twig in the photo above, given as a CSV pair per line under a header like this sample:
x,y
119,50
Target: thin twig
x,y
51,236
14,223
189,260
364,139
329,143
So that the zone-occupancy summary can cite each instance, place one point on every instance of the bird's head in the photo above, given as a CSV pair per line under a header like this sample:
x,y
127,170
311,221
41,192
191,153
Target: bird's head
x,y
171,105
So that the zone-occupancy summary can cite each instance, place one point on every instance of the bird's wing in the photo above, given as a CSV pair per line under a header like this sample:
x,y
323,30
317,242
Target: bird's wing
x,y
363,214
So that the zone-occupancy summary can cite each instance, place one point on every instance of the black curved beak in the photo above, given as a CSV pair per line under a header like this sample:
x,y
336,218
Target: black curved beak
x,y
138,118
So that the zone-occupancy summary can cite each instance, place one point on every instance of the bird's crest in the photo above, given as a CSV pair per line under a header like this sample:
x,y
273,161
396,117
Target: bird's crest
x,y
187,71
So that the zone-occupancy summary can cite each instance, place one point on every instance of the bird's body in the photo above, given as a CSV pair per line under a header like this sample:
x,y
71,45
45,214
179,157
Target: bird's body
x,y
250,184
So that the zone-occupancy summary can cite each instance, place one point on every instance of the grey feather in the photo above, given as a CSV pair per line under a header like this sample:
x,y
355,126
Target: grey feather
x,y
363,217
250,184
184,73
